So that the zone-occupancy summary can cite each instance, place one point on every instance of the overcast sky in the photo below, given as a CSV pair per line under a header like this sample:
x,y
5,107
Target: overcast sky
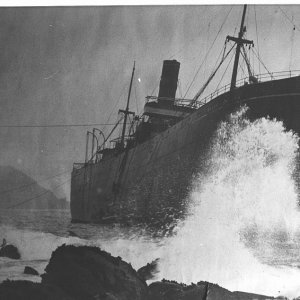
x,y
73,66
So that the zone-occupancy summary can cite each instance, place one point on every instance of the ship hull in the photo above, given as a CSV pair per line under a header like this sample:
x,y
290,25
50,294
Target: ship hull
x,y
151,182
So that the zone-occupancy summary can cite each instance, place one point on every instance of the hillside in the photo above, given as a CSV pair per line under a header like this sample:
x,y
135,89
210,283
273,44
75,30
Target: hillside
x,y
17,188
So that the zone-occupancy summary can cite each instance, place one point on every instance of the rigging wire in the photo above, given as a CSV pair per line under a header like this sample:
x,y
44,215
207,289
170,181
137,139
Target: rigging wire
x,y
254,51
179,88
249,55
38,182
292,46
240,75
243,70
211,75
222,52
247,61
205,57
207,40
57,125
37,196
32,183
71,125
44,192
136,101
257,38
232,55
114,107
287,24
184,46
156,86
287,17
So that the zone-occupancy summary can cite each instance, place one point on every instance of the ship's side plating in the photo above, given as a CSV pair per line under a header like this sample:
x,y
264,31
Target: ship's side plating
x,y
155,176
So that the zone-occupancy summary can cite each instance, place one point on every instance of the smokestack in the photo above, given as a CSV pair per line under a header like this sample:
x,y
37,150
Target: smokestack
x,y
168,81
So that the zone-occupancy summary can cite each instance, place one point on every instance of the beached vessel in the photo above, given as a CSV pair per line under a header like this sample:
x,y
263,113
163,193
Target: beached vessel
x,y
147,174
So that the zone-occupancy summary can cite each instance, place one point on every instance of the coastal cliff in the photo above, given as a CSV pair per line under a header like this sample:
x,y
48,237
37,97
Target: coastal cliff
x,y
18,190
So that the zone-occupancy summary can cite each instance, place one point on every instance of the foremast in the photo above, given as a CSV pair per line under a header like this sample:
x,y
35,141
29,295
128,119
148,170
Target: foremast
x,y
126,112
239,44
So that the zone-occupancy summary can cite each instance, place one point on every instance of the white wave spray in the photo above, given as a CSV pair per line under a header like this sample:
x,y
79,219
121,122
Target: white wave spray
x,y
247,193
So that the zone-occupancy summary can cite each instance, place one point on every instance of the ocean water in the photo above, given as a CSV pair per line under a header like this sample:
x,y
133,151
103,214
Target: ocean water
x,y
242,230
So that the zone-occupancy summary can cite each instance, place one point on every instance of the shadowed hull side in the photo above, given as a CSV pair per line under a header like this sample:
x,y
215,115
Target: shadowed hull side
x,y
154,178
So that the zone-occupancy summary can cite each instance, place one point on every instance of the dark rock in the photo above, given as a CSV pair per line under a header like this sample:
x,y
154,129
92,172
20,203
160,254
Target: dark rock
x,y
30,271
10,251
27,290
148,272
169,290
72,233
90,273
217,292
250,296
76,273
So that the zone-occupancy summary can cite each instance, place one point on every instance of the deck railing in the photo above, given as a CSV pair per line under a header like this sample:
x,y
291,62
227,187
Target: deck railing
x,y
187,102
260,78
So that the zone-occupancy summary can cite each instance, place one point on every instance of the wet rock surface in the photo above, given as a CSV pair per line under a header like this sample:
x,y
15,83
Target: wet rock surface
x,y
165,290
30,271
10,251
27,290
84,272
168,290
90,273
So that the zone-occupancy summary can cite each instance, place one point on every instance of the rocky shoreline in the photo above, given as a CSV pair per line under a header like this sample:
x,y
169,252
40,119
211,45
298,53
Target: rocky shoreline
x,y
88,273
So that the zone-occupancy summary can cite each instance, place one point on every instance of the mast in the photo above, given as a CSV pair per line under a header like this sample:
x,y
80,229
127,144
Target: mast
x,y
126,111
239,43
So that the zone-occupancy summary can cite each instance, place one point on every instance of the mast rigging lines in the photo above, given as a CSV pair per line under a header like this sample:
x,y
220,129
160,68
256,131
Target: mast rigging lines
x,y
205,57
58,125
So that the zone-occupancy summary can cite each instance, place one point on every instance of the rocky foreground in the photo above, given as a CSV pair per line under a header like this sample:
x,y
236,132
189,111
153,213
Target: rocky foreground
x,y
85,273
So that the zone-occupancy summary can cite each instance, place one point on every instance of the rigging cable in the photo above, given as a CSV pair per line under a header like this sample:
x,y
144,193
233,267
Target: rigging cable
x,y
225,70
292,35
180,50
257,38
205,57
246,60
253,49
179,88
32,183
44,192
291,21
207,40
136,101
292,46
211,77
222,52
58,125
116,103
37,196
156,86
243,70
